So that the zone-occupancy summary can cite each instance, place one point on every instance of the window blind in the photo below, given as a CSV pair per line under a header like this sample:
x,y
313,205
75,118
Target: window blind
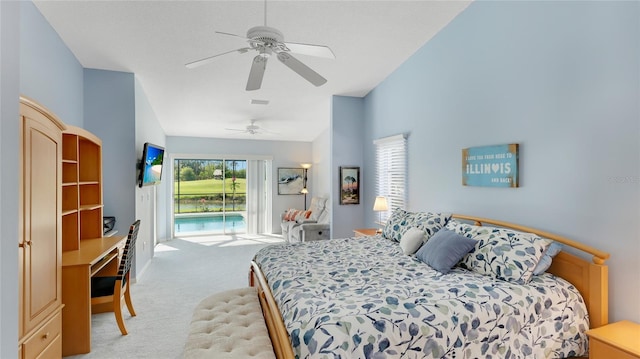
x,y
391,172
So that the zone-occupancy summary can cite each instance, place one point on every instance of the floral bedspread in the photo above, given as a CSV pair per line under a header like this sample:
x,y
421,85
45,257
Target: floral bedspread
x,y
363,298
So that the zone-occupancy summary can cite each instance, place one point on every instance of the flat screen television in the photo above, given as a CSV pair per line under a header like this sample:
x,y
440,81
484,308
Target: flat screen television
x,y
151,166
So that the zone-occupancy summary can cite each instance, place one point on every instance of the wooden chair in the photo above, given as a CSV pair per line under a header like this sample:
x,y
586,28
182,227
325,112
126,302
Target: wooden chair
x,y
112,289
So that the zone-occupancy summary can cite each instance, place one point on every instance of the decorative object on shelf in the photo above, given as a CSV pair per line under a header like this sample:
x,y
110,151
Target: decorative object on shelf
x,y
490,166
380,205
349,185
305,190
290,180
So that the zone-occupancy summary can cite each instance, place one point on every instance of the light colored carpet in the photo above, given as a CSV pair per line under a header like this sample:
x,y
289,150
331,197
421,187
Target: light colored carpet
x,y
181,274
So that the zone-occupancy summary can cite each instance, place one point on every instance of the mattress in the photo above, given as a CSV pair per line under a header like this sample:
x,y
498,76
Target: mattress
x,y
363,298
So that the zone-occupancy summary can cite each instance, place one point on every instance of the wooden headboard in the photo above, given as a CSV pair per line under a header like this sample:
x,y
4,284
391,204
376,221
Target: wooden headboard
x,y
589,277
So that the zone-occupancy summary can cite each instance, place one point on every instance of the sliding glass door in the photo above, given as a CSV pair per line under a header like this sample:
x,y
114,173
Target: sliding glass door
x,y
209,196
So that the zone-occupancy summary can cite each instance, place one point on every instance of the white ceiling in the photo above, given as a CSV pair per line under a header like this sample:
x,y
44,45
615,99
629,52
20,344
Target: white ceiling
x,y
155,39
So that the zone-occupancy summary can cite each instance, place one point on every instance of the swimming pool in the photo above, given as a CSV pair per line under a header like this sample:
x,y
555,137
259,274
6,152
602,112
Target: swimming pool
x,y
210,223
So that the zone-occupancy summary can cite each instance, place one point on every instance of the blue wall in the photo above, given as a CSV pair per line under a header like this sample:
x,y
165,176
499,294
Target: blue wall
x,y
102,102
49,72
559,78
347,120
151,204
110,114
9,176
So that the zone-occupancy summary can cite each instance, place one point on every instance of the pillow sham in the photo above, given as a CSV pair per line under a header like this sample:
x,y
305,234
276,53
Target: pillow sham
x,y
401,220
411,240
502,253
442,251
545,262
428,222
393,229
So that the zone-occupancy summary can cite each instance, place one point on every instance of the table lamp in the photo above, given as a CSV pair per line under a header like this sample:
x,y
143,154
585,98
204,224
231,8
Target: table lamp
x,y
380,205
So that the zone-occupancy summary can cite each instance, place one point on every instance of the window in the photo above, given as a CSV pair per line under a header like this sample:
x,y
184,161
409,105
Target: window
x,y
215,195
210,196
391,172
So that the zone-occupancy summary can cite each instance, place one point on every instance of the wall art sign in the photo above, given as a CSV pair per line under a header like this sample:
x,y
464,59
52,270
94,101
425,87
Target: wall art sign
x,y
490,166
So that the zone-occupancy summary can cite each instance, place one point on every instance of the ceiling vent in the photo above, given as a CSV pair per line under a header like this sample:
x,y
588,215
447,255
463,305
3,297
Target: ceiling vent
x,y
259,102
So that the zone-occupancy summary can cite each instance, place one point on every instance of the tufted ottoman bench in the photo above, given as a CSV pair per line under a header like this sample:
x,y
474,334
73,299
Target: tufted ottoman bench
x,y
229,325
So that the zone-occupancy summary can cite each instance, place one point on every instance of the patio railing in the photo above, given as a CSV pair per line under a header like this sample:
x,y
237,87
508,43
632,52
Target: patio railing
x,y
209,202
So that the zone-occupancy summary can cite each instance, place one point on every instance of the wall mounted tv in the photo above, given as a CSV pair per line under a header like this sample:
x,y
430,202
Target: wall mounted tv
x,y
151,165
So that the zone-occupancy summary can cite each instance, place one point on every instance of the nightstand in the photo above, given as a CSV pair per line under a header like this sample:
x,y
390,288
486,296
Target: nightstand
x,y
362,232
620,340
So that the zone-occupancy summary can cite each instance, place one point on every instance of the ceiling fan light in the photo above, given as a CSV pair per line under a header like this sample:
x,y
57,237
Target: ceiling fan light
x,y
265,52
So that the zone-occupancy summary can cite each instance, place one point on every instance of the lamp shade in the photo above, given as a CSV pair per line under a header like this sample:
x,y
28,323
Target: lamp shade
x,y
380,204
304,190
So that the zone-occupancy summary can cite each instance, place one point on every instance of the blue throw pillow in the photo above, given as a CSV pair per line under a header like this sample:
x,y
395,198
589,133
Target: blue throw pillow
x,y
545,262
444,249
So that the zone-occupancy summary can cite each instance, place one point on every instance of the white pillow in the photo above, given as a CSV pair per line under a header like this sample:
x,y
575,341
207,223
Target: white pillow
x,y
411,240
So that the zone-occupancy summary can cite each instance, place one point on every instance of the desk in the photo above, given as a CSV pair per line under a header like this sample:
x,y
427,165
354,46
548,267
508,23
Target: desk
x,y
95,255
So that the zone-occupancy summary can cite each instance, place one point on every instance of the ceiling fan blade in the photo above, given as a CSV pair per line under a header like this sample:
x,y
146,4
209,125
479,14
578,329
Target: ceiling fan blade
x,y
230,34
311,50
251,41
235,129
257,72
209,59
301,69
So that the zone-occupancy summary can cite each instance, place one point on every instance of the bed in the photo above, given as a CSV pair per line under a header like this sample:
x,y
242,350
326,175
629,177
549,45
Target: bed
x,y
364,298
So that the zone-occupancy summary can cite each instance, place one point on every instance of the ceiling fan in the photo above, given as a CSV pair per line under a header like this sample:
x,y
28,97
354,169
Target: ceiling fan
x,y
268,41
251,129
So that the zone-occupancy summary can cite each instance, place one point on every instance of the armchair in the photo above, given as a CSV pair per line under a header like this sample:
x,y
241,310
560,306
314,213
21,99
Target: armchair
x,y
320,230
291,226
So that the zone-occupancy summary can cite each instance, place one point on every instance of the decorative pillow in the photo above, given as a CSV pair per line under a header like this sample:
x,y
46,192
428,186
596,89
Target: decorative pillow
x,y
545,262
394,228
442,251
428,222
411,240
501,253
401,220
290,215
303,215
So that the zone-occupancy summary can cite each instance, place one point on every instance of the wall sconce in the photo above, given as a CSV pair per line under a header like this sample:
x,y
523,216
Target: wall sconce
x,y
380,205
305,190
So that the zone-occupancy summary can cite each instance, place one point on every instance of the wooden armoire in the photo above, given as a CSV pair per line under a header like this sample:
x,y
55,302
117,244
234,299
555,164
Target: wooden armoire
x,y
40,233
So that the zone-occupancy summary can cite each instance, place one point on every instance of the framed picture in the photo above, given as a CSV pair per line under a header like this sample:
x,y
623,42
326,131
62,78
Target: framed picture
x,y
349,185
290,180
491,166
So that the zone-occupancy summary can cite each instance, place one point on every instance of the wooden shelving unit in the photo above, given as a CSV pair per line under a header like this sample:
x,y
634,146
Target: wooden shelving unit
x,y
81,187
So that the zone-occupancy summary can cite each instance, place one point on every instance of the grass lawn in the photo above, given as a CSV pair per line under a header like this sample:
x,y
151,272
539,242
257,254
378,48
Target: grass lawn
x,y
200,187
